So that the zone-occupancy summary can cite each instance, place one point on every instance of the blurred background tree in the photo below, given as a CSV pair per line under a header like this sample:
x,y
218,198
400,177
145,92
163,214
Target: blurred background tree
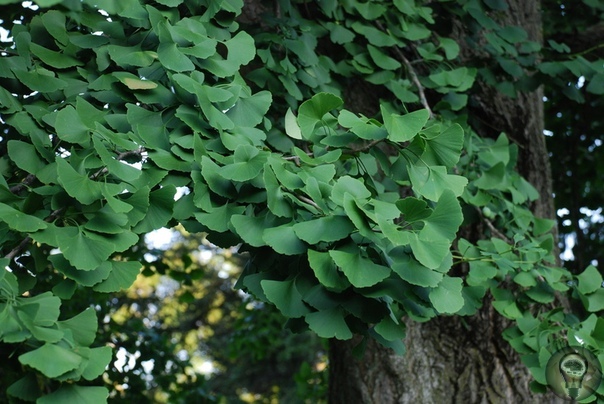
x,y
182,333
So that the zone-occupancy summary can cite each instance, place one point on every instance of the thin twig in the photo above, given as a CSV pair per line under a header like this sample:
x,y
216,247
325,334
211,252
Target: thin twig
x,y
27,181
367,146
411,70
493,229
17,250
309,201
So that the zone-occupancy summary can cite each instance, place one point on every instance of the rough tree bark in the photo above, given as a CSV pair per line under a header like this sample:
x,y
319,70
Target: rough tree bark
x,y
453,359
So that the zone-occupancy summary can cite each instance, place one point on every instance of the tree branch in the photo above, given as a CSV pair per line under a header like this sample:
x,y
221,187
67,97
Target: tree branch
x,y
493,229
27,181
586,41
14,253
412,74
17,250
309,201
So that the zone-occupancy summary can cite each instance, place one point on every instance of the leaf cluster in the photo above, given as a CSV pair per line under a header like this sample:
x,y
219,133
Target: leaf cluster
x,y
124,117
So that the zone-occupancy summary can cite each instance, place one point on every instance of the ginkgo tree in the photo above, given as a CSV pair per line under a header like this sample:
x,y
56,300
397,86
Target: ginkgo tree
x,y
256,125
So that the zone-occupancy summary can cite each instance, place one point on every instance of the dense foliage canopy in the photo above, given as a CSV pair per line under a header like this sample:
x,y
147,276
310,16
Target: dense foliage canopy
x,y
331,141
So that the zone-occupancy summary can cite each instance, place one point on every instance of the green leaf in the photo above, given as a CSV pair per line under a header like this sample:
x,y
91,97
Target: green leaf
x,y
382,60
159,213
133,82
122,276
508,309
402,128
71,128
312,111
248,163
278,204
544,293
8,102
72,393
77,185
349,185
286,297
460,79
82,326
326,271
357,216
450,47
54,59
596,84
330,228
499,152
445,148
19,221
363,128
240,51
525,279
413,272
84,251
43,309
26,388
413,209
47,3
139,204
590,280
329,324
54,22
390,330
512,34
52,360
219,218
481,271
430,250
84,278
292,129
361,272
595,301
126,56
241,48
216,182
249,110
447,297
172,58
41,80
250,229
284,240
25,156
339,34
493,178
432,181
97,362
445,219
122,241
106,220
373,35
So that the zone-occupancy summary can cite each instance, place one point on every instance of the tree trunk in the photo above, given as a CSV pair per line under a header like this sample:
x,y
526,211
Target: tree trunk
x,y
455,359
